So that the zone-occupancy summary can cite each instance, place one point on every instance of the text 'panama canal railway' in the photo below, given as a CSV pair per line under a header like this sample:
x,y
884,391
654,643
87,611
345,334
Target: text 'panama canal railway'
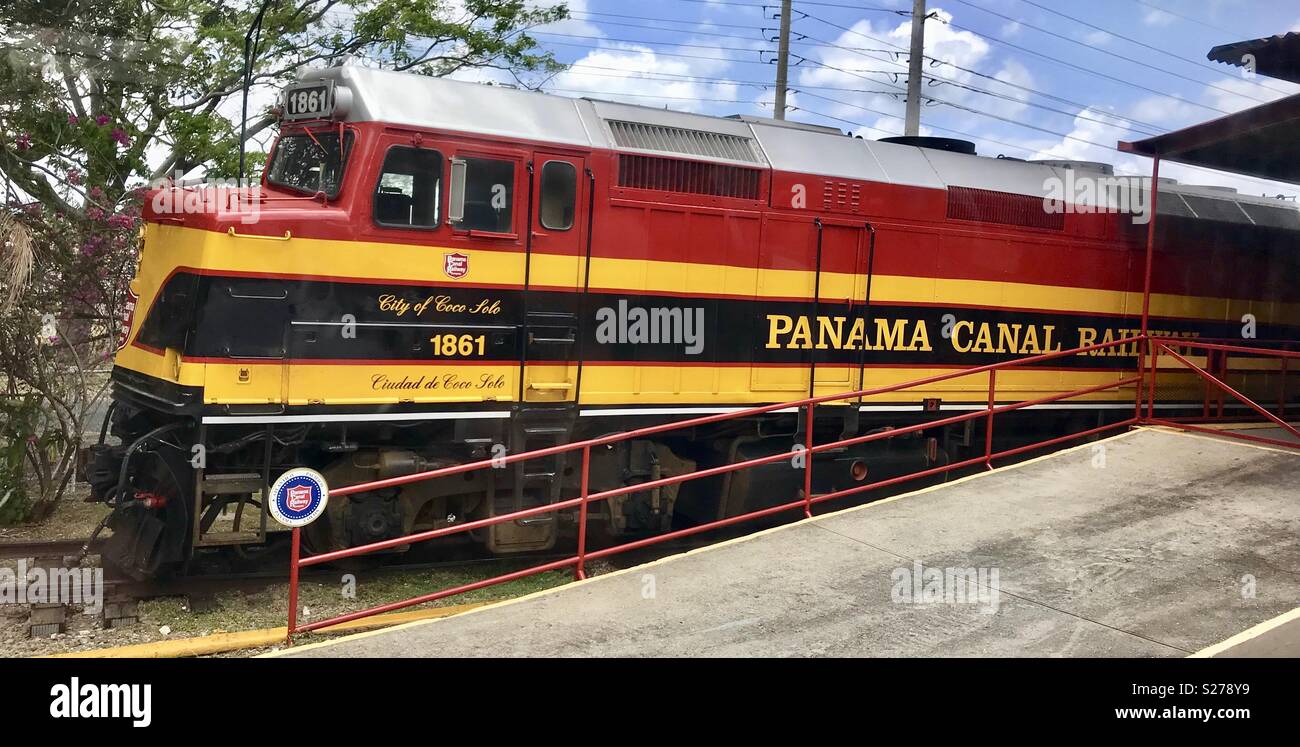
x,y
436,272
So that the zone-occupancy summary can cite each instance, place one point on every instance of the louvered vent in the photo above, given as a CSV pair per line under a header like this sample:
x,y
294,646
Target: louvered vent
x,y
685,142
968,203
694,177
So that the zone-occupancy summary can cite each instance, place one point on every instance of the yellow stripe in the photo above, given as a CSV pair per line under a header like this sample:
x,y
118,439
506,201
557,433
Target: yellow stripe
x,y
403,262
326,384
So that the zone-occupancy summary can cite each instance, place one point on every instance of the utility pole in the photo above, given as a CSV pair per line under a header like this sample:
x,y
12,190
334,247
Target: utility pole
x,y
782,60
914,63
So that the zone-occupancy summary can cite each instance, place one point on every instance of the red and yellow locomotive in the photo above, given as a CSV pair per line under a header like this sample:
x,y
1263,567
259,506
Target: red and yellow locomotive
x,y
434,272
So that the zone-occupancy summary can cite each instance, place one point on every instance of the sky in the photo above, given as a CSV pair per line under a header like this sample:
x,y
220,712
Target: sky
x,y
1023,78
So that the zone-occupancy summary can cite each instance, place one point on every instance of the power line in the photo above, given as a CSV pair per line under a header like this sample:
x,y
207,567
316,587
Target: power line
x,y
1085,45
1207,25
1003,81
659,20
1033,127
656,52
1058,61
1082,69
1129,125
657,96
682,78
962,107
644,41
1148,130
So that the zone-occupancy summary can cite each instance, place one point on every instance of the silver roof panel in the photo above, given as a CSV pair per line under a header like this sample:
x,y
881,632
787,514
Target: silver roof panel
x,y
422,101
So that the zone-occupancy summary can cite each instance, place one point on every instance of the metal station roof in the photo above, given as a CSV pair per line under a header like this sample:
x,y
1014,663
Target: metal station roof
x,y
1263,141
1274,56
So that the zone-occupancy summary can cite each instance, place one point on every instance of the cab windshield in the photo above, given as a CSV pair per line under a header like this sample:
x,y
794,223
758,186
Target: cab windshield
x,y
310,162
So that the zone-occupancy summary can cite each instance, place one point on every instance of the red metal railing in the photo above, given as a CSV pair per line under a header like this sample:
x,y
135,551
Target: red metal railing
x,y
804,502
1156,347
1218,353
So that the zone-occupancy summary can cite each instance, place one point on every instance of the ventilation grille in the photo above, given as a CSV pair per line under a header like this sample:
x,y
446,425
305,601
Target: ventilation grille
x,y
674,175
968,203
686,142
841,197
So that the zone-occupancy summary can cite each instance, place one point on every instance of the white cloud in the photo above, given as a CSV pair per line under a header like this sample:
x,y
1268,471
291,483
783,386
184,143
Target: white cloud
x,y
1074,149
639,75
1155,17
1097,38
1235,94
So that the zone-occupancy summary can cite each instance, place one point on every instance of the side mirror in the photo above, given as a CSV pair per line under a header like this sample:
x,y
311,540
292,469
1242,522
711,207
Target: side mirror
x,y
456,195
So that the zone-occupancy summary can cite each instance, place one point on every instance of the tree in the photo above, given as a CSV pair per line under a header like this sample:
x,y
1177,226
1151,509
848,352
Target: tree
x,y
100,97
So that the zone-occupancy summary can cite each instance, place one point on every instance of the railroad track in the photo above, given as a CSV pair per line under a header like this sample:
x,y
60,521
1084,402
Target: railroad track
x,y
206,585
11,549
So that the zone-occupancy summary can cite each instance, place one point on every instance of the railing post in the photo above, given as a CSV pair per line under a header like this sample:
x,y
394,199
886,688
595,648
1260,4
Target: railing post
x,y
1209,389
1142,376
1156,346
580,571
1281,398
988,421
295,547
808,460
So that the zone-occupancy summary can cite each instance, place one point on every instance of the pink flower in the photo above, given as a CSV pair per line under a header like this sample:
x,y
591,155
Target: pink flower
x,y
96,193
101,120
24,141
95,213
120,136
72,119
74,176
121,221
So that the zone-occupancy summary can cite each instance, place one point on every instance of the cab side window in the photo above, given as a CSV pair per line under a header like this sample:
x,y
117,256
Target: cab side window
x,y
489,195
410,188
559,195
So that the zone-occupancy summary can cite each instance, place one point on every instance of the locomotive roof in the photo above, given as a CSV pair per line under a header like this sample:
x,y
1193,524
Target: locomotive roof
x,y
423,101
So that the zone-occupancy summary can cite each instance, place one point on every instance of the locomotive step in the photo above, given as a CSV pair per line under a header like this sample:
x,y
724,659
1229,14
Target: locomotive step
x,y
232,483
212,539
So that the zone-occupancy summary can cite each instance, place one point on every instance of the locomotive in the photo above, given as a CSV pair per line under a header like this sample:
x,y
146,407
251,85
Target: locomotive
x,y
434,272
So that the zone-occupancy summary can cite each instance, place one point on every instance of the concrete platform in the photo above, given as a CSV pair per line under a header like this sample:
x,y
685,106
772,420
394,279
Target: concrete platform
x,y
1152,543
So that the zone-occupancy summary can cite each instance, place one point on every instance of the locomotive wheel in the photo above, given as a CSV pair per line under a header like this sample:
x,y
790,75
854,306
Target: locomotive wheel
x,y
318,537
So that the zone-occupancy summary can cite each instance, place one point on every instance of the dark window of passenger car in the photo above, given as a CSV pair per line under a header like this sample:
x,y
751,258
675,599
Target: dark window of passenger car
x,y
489,195
310,162
410,188
559,195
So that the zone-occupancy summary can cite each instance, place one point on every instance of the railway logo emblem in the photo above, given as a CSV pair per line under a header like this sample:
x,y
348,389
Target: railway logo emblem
x,y
299,497
455,264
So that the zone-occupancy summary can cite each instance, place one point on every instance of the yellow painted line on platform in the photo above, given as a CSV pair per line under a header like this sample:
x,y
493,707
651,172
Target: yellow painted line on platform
x,y
1247,635
706,548
222,642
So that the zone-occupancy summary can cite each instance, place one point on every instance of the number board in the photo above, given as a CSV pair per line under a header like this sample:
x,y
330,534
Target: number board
x,y
309,101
